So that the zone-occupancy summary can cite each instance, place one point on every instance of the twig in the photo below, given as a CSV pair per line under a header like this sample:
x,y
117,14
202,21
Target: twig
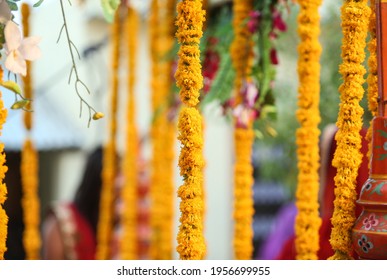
x,y
74,69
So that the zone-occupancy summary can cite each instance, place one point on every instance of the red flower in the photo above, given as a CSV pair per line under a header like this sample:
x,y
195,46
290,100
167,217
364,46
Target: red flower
x,y
278,22
273,56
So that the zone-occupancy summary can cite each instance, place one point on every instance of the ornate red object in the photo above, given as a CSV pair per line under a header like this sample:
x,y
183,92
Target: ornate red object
x,y
369,234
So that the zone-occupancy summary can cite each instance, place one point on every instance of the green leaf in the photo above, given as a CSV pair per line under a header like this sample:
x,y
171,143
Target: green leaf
x,y
12,86
12,5
109,8
37,4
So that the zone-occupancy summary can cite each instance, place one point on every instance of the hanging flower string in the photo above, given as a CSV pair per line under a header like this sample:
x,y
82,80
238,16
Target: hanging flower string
x,y
109,170
241,54
307,136
372,78
29,167
156,192
189,79
168,128
347,158
129,193
3,187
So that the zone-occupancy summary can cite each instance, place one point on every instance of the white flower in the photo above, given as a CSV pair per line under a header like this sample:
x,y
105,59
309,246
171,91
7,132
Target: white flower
x,y
19,49
5,12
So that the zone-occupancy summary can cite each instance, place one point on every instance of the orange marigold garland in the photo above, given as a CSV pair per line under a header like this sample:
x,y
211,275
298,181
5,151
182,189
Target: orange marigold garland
x,y
307,136
241,54
3,187
156,194
190,238
128,244
168,128
347,158
372,78
109,171
29,167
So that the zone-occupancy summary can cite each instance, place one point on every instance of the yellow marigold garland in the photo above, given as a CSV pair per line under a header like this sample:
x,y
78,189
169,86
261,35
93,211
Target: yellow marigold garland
x,y
241,46
190,18
167,129
307,136
3,187
29,167
372,78
128,244
241,51
347,158
109,169
156,194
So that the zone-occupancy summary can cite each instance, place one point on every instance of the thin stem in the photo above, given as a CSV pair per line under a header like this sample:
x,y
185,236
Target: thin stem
x,y
74,69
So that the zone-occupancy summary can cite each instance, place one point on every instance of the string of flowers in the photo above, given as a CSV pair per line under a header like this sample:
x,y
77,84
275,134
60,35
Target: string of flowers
x,y
109,169
189,79
128,242
29,166
372,78
168,128
308,222
156,193
241,54
347,159
3,187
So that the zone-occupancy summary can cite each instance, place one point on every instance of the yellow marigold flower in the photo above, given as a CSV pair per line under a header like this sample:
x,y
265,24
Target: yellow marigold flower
x,y
347,159
307,136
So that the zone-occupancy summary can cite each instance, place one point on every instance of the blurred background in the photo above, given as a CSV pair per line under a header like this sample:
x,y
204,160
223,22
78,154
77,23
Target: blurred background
x,y
63,139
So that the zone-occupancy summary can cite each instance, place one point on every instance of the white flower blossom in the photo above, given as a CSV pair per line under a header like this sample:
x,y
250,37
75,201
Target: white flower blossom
x,y
19,49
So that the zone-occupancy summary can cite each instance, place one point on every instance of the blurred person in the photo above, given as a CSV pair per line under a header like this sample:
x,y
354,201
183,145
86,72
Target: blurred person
x,y
69,230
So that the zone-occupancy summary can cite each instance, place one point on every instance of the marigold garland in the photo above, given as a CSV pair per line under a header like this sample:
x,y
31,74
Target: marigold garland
x,y
190,238
3,187
347,158
372,78
128,242
156,194
241,54
30,201
109,170
29,167
168,129
307,136
241,46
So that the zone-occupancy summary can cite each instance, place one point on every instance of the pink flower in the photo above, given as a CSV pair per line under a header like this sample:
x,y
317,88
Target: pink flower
x,y
278,22
244,116
251,94
370,222
253,23
19,49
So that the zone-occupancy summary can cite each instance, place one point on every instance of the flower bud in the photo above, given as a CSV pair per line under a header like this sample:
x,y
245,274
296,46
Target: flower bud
x,y
20,104
98,115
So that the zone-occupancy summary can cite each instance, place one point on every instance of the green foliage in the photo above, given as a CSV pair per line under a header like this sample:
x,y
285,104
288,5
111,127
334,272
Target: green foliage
x,y
220,27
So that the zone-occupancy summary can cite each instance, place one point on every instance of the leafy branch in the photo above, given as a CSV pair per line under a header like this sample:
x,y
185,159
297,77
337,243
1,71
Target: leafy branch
x,y
93,114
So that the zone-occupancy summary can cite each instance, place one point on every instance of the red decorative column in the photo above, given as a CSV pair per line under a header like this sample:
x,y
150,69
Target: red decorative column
x,y
370,231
